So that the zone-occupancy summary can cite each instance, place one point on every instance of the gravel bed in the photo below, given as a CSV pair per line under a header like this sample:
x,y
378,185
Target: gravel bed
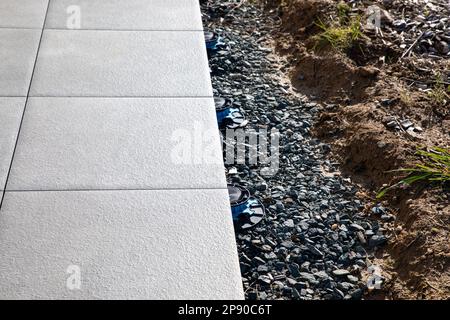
x,y
315,240
420,26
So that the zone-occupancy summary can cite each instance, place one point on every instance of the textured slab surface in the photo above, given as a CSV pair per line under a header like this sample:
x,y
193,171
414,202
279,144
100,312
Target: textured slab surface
x,y
18,48
97,143
128,14
22,13
117,187
121,63
10,115
125,245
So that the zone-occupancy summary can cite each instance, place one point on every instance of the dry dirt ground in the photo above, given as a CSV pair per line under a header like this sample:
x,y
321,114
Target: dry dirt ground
x,y
364,86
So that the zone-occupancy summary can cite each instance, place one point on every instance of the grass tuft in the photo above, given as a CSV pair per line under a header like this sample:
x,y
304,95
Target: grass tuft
x,y
433,169
340,37
343,11
439,95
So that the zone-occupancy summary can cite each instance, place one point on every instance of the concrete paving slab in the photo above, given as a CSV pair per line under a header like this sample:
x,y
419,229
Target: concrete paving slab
x,y
17,57
125,14
117,187
23,13
11,110
118,245
121,63
118,143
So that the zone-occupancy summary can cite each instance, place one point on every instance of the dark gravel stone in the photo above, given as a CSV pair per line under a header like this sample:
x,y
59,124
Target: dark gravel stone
x,y
377,240
340,272
294,270
313,223
307,276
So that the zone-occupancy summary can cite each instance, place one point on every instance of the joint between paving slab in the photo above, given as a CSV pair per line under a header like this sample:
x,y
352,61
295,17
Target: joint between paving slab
x,y
127,30
18,28
115,190
92,29
126,97
26,100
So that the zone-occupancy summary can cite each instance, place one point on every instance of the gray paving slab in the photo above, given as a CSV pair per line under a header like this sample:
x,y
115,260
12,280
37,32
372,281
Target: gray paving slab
x,y
22,13
125,14
121,63
18,48
118,143
118,245
117,187
11,110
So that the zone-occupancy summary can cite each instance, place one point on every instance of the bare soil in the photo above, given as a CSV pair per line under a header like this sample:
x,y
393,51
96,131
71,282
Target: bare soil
x,y
360,93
